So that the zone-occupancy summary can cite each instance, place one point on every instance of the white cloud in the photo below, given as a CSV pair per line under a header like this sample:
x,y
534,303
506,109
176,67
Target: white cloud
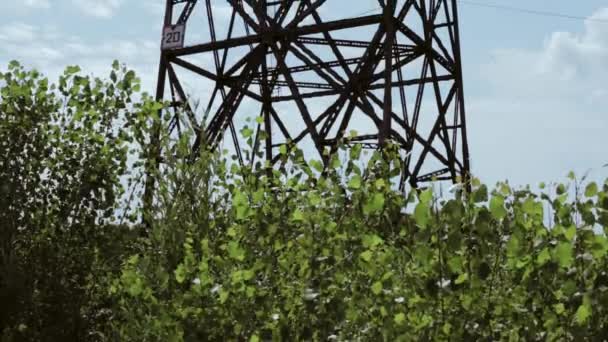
x,y
543,112
98,8
23,6
155,7
50,51
17,32
37,3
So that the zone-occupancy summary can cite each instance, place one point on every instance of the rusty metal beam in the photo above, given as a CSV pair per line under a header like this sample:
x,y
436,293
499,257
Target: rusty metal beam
x,y
279,63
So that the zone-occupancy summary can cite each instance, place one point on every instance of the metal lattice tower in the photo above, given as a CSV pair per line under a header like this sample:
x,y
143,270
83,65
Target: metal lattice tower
x,y
394,74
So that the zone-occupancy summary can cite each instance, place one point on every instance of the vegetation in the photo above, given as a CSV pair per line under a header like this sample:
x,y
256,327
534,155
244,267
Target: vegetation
x,y
296,253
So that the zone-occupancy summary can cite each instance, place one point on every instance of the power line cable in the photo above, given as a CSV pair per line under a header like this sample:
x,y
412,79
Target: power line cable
x,y
531,11
515,9
368,11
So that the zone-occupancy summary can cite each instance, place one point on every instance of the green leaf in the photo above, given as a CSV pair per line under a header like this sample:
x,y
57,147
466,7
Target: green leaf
x,y
481,194
513,247
314,199
248,274
355,182
377,288
559,308
297,215
591,189
599,247
570,233
422,215
543,257
13,64
504,189
399,318
355,152
531,207
455,264
235,251
224,296
426,196
246,132
335,162
462,279
78,115
497,207
283,149
583,313
72,69
366,256
254,338
317,165
374,204
423,254
130,76
180,274
564,255
241,204
371,241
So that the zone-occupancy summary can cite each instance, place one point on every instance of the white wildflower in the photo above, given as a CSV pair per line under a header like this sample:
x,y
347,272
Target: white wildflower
x,y
196,281
586,256
399,300
216,288
309,294
443,283
275,317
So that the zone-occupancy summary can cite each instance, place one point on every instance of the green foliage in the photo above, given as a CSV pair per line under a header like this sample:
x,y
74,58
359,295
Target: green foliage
x,y
62,157
324,250
295,255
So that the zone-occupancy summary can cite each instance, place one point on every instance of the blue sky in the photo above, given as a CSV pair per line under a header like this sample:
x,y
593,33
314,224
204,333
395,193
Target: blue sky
x,y
535,86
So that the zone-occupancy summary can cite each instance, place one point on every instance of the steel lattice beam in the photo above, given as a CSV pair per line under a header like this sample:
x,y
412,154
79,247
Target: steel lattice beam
x,y
406,75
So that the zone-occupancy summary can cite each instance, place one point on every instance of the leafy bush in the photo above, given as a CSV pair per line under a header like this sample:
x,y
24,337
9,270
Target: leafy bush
x,y
301,252
63,155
